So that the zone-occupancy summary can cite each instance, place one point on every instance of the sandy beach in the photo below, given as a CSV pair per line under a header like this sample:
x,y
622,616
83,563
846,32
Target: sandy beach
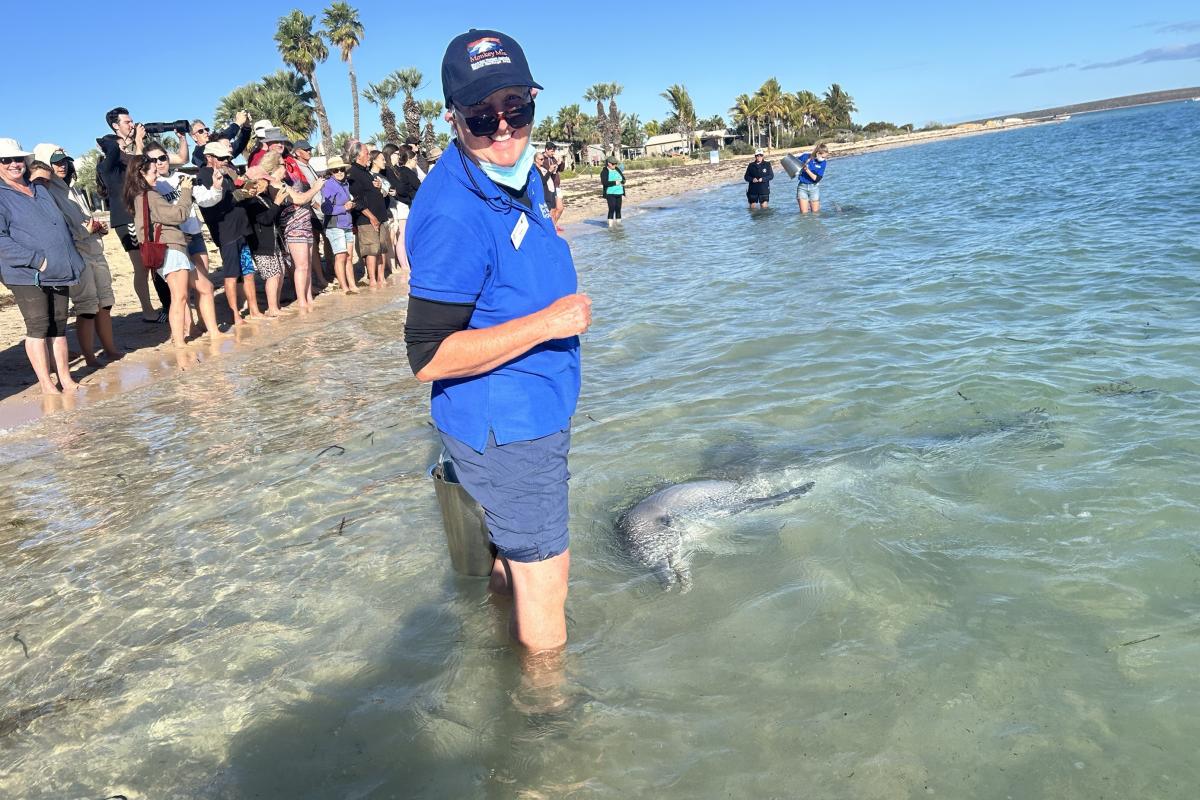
x,y
149,353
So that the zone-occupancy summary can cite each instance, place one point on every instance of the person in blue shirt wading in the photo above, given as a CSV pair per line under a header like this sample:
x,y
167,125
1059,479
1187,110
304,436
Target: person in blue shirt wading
x,y
812,169
759,175
493,321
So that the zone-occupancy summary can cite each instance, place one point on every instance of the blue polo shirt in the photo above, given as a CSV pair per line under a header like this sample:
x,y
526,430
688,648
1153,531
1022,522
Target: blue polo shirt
x,y
817,167
460,241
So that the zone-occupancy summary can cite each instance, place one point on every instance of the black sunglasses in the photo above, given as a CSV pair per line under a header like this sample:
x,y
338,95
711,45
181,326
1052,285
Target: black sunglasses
x,y
164,158
488,122
199,130
223,159
11,159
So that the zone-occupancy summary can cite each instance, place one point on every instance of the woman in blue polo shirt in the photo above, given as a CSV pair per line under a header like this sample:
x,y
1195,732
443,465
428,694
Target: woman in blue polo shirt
x,y
493,321
812,169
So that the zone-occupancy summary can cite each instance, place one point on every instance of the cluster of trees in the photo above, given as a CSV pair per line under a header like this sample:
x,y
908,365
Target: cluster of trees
x,y
293,99
769,117
772,112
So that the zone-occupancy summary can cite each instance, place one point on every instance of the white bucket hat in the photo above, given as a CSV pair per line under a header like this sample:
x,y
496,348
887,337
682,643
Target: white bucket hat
x,y
11,148
261,126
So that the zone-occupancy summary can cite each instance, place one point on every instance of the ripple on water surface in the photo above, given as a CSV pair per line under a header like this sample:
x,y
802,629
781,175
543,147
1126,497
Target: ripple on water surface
x,y
232,583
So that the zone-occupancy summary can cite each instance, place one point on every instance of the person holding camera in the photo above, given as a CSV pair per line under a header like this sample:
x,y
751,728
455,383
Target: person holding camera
x,y
167,185
123,142
237,133
229,226
177,270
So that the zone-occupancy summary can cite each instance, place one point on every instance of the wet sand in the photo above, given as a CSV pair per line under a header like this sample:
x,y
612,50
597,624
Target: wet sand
x,y
150,354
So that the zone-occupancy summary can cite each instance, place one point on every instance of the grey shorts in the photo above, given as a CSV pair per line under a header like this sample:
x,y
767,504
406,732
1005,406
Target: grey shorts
x,y
522,487
808,191
94,290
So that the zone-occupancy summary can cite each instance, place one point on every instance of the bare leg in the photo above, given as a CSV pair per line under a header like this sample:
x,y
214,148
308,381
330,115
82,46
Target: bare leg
x,y
816,205
206,300
141,286
401,252
179,315
231,297
300,254
35,349
804,205
62,363
85,329
251,290
370,264
539,602
104,330
274,288
339,271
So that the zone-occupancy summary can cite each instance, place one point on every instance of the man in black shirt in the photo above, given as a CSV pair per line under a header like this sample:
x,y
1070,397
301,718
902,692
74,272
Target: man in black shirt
x,y
370,209
228,224
125,141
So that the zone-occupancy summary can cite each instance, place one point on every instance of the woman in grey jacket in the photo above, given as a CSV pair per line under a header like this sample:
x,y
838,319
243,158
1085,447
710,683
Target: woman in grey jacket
x,y
38,262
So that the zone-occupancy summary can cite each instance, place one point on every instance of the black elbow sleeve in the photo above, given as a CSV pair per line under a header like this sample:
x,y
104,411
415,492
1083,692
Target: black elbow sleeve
x,y
429,323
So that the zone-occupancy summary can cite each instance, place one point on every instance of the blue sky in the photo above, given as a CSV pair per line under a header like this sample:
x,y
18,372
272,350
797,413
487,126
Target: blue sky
x,y
902,62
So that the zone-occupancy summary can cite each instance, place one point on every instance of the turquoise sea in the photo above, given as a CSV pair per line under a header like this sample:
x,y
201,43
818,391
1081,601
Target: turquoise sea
x,y
984,355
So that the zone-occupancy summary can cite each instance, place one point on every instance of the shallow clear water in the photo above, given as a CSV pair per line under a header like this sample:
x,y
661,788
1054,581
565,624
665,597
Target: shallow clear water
x,y
984,357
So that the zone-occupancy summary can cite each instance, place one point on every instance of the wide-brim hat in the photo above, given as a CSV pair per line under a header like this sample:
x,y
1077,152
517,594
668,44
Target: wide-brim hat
x,y
334,162
219,148
11,148
479,62
274,135
318,164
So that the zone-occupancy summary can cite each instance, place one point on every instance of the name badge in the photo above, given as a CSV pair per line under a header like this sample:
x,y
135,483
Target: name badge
x,y
519,230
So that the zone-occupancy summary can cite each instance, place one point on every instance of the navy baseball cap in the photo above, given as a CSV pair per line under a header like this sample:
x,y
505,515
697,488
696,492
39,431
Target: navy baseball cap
x,y
479,62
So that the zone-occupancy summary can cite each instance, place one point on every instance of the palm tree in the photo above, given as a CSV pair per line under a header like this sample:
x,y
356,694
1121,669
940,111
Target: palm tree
x,y
614,117
409,80
808,108
739,115
430,111
302,50
632,134
568,123
608,125
683,110
381,94
345,32
652,128
772,106
282,97
840,105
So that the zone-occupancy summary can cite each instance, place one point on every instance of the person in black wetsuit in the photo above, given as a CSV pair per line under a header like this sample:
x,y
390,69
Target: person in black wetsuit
x,y
759,175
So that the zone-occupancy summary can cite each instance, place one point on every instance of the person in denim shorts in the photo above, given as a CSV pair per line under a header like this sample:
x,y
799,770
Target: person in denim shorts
x,y
808,180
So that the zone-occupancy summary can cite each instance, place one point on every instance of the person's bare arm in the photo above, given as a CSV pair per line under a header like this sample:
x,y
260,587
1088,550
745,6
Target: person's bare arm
x,y
475,352
181,155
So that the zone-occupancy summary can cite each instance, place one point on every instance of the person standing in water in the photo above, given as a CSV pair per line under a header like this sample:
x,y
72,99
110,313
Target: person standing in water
x,y
612,178
494,318
759,175
812,169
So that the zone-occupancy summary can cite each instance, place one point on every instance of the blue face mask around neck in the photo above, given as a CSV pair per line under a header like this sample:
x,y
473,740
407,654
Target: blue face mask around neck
x,y
513,177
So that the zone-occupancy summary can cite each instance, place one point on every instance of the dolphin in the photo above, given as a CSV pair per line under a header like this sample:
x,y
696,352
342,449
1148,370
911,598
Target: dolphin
x,y
651,530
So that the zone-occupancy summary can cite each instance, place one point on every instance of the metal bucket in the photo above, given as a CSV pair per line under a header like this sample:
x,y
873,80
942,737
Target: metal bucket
x,y
471,551
791,165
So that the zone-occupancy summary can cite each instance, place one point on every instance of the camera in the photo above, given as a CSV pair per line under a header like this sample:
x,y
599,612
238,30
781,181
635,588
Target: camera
x,y
178,126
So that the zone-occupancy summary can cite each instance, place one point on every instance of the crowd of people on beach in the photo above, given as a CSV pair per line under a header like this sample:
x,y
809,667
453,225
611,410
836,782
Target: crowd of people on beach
x,y
284,216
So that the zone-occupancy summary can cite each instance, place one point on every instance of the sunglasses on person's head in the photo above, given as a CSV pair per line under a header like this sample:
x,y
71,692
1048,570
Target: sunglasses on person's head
x,y
6,160
487,122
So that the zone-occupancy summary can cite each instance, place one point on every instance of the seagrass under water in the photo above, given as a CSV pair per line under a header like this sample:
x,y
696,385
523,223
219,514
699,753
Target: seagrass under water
x,y
985,358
